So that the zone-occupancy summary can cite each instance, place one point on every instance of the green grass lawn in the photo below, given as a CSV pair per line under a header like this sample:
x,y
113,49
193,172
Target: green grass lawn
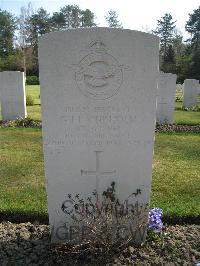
x,y
186,117
34,111
176,174
21,171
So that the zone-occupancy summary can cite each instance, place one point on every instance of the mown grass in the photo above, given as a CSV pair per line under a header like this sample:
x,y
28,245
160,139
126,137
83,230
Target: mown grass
x,y
187,118
21,171
176,174
182,117
34,111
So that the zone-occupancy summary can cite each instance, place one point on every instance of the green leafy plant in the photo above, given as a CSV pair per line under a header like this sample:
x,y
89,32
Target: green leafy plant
x,y
22,122
29,100
195,108
178,99
27,122
110,226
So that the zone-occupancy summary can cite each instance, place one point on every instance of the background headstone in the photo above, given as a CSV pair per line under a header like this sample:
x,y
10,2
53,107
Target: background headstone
x,y
98,95
190,90
12,95
166,98
198,91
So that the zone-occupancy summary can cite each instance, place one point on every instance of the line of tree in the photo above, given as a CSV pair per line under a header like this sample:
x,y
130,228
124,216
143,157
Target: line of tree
x,y
19,38
19,35
177,56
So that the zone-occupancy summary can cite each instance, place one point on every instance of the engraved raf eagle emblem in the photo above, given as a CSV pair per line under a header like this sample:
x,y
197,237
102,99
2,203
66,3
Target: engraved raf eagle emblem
x,y
98,74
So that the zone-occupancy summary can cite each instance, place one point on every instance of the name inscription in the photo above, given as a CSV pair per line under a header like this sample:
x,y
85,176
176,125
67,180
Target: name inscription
x,y
97,126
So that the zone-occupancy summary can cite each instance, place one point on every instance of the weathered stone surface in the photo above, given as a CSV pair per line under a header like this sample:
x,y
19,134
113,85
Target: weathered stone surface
x,y
98,93
166,98
12,95
190,90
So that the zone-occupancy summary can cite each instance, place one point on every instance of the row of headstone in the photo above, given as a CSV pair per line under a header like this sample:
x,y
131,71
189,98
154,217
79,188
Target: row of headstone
x,y
12,95
13,99
166,96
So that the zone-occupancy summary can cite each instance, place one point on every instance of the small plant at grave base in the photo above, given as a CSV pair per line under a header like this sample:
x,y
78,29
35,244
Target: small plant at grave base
x,y
155,219
195,108
107,222
155,224
22,122
178,99
26,122
29,100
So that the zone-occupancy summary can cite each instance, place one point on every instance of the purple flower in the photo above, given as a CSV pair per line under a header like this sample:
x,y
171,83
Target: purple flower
x,y
155,219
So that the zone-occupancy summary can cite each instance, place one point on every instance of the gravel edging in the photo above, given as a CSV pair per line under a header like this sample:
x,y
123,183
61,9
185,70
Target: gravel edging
x,y
29,244
177,128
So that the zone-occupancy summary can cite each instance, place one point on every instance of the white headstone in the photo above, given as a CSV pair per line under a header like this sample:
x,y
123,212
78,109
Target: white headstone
x,y
12,95
166,98
98,93
190,90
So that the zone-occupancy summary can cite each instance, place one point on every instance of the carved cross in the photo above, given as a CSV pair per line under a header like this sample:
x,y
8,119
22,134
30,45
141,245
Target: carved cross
x,y
98,173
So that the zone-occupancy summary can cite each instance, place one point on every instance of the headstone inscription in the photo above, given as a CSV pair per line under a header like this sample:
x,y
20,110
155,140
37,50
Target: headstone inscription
x,y
12,95
166,98
190,89
98,94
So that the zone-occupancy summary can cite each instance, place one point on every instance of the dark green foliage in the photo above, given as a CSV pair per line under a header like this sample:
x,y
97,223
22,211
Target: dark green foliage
x,y
87,19
32,80
72,16
169,64
193,27
178,45
23,56
19,50
194,71
38,24
12,61
182,67
165,30
7,30
175,56
112,19
57,21
170,55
